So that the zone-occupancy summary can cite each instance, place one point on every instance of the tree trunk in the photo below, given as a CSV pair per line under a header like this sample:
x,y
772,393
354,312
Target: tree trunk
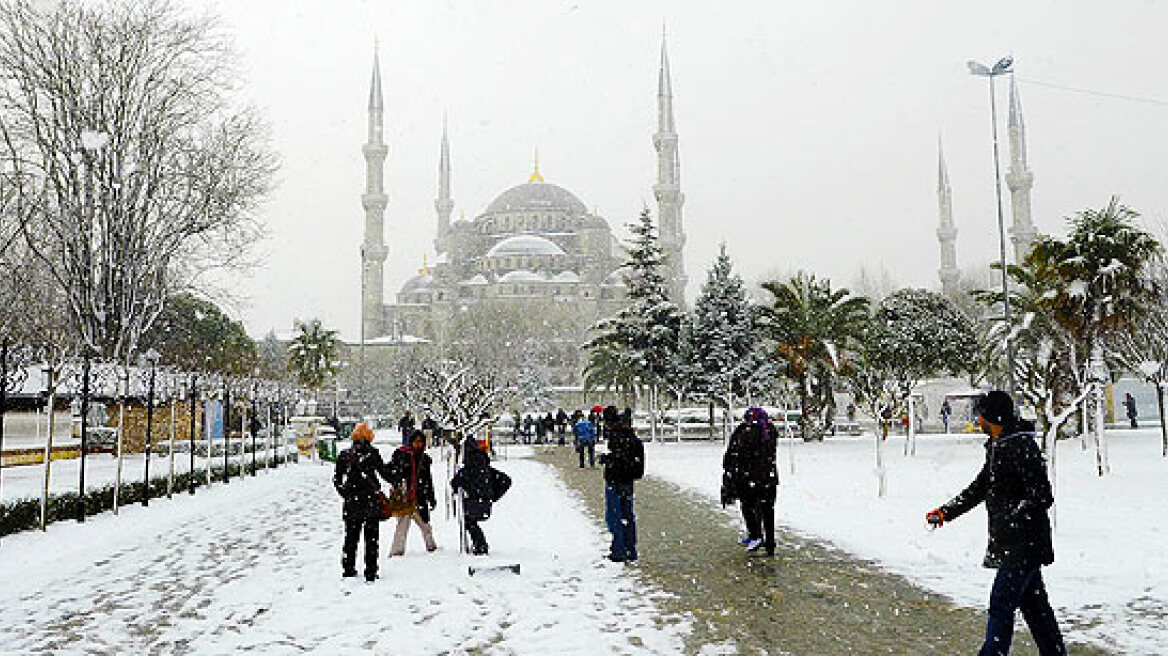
x,y
713,427
52,386
1163,425
804,409
881,475
678,423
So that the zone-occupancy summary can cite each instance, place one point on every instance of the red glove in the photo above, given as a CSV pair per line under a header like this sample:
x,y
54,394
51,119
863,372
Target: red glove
x,y
935,517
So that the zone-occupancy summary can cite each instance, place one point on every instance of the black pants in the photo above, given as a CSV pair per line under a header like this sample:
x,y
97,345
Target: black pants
x,y
759,514
478,540
353,528
1021,589
590,447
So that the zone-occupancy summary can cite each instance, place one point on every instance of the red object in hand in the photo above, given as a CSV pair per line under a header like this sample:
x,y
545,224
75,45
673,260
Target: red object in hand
x,y
935,517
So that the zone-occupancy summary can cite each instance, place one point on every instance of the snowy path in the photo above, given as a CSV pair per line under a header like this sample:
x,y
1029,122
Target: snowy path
x,y
254,567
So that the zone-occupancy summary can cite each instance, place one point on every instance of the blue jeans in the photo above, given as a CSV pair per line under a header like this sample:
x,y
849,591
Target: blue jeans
x,y
622,522
1021,589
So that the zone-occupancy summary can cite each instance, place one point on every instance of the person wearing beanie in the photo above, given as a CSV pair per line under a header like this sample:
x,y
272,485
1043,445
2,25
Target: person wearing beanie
x,y
751,477
482,485
410,470
623,464
356,480
1014,485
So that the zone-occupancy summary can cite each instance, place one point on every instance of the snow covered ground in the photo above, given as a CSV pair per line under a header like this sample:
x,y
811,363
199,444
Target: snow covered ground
x,y
255,566
1109,582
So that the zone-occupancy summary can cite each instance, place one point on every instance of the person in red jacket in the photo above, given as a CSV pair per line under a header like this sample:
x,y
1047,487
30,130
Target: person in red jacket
x,y
410,469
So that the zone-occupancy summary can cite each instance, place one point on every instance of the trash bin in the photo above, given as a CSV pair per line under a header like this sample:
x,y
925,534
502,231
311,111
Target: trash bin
x,y
327,447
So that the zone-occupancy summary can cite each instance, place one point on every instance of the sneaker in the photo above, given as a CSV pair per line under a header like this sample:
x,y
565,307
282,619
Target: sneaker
x,y
349,575
744,540
754,544
369,578
615,559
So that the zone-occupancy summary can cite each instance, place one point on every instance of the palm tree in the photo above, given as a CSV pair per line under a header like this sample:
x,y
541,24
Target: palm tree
x,y
313,353
810,324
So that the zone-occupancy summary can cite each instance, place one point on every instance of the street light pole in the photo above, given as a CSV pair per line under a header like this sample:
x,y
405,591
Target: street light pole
x,y
151,358
191,398
1003,66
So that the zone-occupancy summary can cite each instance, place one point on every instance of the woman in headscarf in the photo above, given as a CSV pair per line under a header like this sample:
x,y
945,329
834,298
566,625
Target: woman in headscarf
x,y
750,476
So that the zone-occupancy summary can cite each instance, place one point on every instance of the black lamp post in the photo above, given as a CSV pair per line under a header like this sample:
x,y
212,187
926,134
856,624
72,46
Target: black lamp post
x,y
151,358
253,424
226,428
1003,66
192,397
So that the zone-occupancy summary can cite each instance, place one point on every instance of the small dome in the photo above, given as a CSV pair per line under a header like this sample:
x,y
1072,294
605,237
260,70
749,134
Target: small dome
x,y
615,279
536,196
525,245
566,276
420,282
476,279
521,275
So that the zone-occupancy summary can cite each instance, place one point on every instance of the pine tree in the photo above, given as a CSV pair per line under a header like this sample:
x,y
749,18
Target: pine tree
x,y
637,346
722,338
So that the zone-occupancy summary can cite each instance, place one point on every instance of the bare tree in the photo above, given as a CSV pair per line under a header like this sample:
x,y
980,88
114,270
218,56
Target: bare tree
x,y
133,168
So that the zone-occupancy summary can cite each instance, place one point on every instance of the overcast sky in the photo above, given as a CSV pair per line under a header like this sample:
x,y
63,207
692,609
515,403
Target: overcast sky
x,y
808,131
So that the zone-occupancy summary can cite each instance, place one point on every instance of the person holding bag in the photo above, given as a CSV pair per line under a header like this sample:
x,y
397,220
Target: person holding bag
x,y
481,486
410,472
356,480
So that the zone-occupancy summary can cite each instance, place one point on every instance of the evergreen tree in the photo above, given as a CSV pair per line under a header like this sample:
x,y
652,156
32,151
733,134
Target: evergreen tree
x,y
640,341
313,353
722,338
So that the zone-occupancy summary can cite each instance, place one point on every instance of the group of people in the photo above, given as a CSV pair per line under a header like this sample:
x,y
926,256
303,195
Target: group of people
x,y
1013,483
545,428
359,473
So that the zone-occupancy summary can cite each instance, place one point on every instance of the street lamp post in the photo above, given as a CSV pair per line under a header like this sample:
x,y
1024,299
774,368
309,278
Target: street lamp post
x,y
151,358
226,428
253,423
191,398
1003,66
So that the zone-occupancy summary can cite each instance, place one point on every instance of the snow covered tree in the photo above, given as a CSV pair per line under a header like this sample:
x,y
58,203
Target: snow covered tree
x,y
635,346
810,324
195,334
1079,298
314,353
458,395
722,337
916,334
133,168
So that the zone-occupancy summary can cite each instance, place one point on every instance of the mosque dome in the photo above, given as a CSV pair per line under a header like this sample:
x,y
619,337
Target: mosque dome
x,y
525,245
521,275
536,196
420,282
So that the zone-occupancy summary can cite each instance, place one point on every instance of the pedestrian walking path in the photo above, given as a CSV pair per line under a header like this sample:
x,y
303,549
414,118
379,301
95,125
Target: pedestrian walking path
x,y
254,567
809,599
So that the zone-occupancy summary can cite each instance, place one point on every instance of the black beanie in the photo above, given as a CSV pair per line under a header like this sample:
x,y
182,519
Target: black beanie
x,y
611,415
996,407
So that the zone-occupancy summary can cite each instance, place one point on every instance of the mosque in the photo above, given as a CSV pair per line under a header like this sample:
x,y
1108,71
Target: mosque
x,y
536,241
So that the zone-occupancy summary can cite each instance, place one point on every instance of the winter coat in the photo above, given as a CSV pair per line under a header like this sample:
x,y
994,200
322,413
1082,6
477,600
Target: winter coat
x,y
748,467
585,433
412,470
1015,488
356,480
482,484
625,460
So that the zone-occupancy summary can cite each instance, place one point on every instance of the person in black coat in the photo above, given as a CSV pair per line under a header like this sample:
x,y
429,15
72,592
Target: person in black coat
x,y
481,485
1014,485
410,470
356,480
750,476
623,465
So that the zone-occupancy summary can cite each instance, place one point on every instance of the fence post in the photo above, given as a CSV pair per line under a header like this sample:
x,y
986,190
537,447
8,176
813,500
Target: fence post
x,y
3,403
86,365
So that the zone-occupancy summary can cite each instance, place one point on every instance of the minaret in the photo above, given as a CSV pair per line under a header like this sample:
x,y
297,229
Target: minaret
x,y
946,230
443,204
373,250
668,187
1019,179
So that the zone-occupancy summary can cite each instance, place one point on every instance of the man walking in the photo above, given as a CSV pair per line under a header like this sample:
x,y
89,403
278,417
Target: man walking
x,y
585,440
623,464
1013,484
751,477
